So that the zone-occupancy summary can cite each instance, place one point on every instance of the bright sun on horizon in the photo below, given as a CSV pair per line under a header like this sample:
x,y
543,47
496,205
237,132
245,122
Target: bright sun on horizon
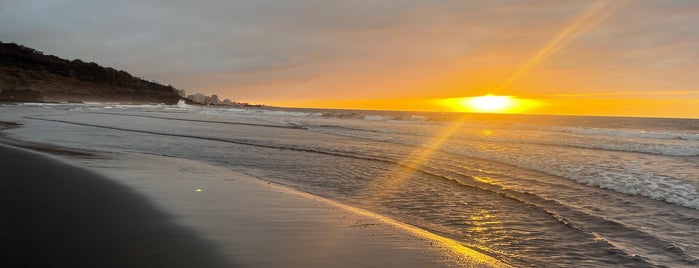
x,y
489,103
486,104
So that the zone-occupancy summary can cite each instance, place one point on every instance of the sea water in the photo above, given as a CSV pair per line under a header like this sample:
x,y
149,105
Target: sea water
x,y
530,190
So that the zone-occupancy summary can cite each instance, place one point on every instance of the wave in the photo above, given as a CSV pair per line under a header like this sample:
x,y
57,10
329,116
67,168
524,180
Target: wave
x,y
502,192
624,133
277,115
620,177
240,142
256,112
410,118
682,148
632,146
377,118
361,115
623,178
181,106
617,178
636,147
598,229
203,121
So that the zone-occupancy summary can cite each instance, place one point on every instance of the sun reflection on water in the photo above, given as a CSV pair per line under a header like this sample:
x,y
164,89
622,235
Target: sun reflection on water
x,y
486,229
487,180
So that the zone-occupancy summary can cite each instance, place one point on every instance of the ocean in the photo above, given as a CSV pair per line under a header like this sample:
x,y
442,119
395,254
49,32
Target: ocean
x,y
530,190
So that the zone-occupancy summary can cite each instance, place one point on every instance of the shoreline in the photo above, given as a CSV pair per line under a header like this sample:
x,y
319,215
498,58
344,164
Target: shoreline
x,y
254,223
506,204
59,215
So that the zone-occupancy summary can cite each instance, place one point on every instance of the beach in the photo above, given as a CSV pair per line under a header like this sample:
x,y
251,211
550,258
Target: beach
x,y
349,134
149,211
316,188
58,215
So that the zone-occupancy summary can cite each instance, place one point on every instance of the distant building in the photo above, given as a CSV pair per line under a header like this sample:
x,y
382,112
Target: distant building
x,y
213,99
197,98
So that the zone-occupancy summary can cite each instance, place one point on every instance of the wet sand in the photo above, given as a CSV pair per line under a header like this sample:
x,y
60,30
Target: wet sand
x,y
57,215
135,210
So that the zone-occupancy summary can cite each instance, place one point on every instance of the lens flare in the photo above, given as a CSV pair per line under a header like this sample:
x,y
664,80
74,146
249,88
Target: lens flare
x,y
489,104
594,15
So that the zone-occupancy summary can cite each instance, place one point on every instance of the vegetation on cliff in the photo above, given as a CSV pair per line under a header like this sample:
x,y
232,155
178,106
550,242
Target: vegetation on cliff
x,y
30,75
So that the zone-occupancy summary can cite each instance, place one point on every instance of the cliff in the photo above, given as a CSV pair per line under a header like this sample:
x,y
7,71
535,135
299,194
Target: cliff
x,y
28,75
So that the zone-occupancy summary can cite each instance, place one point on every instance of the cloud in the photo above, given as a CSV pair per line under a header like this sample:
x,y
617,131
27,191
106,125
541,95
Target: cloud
x,y
328,49
671,93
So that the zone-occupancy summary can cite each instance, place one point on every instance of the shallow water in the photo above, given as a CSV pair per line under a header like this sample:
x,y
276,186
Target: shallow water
x,y
528,190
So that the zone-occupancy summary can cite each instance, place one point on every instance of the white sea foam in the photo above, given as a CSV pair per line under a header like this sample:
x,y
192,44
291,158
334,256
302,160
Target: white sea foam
x,y
624,133
139,106
41,104
654,186
418,118
285,113
619,159
256,112
182,104
617,171
377,118
630,165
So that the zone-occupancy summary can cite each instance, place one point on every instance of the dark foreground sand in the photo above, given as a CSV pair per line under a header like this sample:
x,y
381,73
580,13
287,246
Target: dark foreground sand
x,y
56,215
135,210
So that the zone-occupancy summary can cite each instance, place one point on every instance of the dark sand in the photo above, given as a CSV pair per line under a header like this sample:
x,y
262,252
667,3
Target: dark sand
x,y
56,215
135,210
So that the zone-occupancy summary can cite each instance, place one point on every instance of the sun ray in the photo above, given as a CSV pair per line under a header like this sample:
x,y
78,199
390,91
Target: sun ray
x,y
413,161
597,13
393,178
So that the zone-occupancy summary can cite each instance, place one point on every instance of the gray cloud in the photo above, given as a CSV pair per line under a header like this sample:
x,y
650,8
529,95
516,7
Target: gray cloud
x,y
247,44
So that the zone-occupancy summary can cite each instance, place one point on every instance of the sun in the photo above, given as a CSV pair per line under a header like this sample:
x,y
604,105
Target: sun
x,y
489,103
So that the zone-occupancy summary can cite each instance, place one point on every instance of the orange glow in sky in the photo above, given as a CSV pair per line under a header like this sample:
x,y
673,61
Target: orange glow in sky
x,y
588,57
545,88
587,19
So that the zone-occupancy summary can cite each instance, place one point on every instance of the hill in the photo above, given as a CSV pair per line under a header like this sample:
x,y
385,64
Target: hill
x,y
28,75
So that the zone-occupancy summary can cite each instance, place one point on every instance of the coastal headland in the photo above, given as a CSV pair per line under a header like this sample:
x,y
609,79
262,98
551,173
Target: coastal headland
x,y
29,75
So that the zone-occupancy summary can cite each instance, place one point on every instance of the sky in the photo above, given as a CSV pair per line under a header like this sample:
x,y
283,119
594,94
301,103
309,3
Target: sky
x,y
628,58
